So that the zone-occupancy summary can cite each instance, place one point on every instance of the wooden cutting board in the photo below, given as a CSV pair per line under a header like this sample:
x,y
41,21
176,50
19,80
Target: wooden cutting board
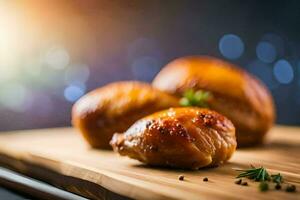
x,y
61,158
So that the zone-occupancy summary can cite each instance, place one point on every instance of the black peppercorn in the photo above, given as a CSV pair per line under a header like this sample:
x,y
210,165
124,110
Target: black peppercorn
x,y
290,188
238,182
205,179
181,177
244,183
277,186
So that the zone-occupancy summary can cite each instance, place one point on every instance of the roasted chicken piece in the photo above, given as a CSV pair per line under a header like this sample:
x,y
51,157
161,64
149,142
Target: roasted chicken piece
x,y
235,93
189,138
114,108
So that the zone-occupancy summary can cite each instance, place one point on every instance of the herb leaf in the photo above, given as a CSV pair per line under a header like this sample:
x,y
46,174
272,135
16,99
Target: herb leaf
x,y
277,178
197,98
258,174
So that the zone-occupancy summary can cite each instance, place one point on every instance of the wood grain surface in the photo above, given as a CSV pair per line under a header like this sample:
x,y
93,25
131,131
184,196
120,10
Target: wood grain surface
x,y
61,158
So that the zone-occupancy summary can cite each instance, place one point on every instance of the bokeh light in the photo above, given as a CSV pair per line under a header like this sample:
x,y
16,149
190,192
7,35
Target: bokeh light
x,y
283,71
77,73
266,52
57,58
231,46
13,97
145,68
276,41
264,72
73,92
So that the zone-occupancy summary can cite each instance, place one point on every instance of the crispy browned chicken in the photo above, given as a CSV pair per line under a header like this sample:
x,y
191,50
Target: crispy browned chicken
x,y
189,138
114,108
235,93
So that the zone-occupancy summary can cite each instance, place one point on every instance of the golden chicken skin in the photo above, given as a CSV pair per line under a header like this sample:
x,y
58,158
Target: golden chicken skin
x,y
114,108
189,138
234,93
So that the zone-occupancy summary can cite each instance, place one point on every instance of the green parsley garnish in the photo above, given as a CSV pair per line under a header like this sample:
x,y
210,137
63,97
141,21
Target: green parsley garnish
x,y
197,98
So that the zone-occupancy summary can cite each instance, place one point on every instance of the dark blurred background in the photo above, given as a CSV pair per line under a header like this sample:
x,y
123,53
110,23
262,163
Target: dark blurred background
x,y
53,52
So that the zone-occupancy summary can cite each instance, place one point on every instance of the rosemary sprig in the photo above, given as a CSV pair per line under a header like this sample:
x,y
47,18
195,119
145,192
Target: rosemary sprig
x,y
258,174
197,98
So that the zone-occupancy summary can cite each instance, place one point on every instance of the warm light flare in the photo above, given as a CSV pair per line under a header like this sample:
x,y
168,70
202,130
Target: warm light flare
x,y
10,47
33,58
